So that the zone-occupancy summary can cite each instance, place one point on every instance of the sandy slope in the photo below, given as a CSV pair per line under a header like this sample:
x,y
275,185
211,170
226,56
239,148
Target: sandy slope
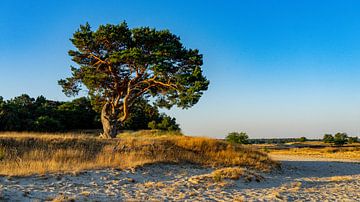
x,y
300,179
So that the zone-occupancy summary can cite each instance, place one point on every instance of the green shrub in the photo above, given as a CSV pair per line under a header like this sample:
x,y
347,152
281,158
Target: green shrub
x,y
340,139
353,140
165,123
328,138
240,138
302,139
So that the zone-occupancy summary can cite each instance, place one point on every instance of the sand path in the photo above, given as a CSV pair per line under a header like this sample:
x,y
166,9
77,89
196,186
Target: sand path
x,y
301,179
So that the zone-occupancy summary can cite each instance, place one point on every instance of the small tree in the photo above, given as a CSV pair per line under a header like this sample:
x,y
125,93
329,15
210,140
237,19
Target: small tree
x,y
328,138
340,139
302,139
118,65
240,138
353,140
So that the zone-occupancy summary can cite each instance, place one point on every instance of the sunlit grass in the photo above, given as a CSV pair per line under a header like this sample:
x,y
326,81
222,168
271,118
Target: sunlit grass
x,y
325,152
34,153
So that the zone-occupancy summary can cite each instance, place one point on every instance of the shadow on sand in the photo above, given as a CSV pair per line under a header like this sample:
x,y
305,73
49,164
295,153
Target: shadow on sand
x,y
301,171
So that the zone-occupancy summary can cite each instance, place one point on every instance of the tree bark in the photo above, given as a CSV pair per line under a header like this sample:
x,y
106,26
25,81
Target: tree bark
x,y
109,123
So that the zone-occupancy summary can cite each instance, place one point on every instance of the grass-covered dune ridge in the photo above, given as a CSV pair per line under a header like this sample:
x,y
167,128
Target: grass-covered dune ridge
x,y
31,153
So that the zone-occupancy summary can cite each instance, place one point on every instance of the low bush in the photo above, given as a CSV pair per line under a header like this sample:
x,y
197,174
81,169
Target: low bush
x,y
340,139
239,138
328,138
353,140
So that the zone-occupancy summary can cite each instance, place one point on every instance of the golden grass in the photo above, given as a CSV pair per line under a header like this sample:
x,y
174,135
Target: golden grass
x,y
45,135
320,143
228,173
340,178
326,152
234,173
32,153
63,198
148,133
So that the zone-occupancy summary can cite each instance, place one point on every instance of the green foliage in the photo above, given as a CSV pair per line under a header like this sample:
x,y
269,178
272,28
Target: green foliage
x,y
340,139
15,114
78,114
235,137
353,140
47,124
164,122
145,116
302,139
24,113
119,65
328,138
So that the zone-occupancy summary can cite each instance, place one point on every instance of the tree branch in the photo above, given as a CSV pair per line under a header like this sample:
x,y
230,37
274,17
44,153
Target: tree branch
x,y
99,59
125,103
165,84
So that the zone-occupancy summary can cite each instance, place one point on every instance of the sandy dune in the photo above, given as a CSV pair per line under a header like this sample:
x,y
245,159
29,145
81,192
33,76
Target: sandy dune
x,y
300,179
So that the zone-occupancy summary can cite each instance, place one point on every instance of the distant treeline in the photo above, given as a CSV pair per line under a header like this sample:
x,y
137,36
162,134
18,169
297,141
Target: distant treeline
x,y
277,140
24,113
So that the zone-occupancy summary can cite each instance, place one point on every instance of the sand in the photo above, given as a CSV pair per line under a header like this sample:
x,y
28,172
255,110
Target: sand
x,y
300,179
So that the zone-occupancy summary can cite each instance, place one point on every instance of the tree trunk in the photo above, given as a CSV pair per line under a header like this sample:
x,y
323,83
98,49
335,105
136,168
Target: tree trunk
x,y
109,123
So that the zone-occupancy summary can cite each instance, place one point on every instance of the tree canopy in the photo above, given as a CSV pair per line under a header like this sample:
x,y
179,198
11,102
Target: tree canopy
x,y
340,139
328,138
117,65
24,113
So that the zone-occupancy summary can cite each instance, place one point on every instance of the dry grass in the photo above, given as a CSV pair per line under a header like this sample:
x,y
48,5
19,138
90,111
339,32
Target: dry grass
x,y
319,143
340,178
235,173
148,133
229,173
158,185
62,198
326,152
31,153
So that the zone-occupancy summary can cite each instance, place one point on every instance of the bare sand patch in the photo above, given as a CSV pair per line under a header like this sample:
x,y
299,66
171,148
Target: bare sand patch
x,y
298,180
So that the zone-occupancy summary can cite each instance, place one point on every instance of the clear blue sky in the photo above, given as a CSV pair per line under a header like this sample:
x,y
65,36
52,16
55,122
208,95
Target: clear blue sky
x,y
277,68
